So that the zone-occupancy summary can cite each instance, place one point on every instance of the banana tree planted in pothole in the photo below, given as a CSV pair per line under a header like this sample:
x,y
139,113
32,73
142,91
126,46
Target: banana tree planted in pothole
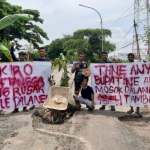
x,y
62,64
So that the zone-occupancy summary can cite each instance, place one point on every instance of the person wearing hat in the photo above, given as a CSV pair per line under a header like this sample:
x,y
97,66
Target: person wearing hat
x,y
105,60
131,58
22,56
78,68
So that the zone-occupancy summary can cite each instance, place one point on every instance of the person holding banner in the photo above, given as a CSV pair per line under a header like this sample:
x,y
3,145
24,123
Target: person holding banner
x,y
78,68
87,95
22,56
42,54
105,60
11,60
131,60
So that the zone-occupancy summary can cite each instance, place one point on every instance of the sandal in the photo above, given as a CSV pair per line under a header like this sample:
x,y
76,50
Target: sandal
x,y
130,111
140,115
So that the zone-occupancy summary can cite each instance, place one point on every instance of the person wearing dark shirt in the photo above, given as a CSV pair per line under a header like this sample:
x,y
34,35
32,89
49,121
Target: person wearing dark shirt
x,y
87,95
42,54
105,60
40,59
22,56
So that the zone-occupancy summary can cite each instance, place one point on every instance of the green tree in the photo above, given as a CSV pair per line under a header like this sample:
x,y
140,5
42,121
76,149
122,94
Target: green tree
x,y
34,54
22,29
54,49
4,22
73,46
91,45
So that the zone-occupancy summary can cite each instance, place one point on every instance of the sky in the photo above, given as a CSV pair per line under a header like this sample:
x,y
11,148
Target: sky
x,y
66,16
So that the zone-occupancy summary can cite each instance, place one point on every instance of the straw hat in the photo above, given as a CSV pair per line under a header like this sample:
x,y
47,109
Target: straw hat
x,y
86,72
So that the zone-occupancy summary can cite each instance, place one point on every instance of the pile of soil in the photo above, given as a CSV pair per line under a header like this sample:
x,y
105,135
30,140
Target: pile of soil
x,y
46,115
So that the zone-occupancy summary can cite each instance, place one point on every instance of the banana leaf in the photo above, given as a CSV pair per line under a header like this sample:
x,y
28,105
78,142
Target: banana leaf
x,y
10,19
5,50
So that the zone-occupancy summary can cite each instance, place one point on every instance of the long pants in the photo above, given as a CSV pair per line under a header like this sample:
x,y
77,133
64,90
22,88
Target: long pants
x,y
83,100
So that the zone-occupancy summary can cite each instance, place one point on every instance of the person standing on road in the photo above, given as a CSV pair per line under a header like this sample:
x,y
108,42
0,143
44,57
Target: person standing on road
x,y
1,61
105,60
131,60
22,56
78,68
42,54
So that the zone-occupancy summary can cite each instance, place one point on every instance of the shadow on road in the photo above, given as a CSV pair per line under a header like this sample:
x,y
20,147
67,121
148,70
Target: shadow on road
x,y
107,113
16,114
131,120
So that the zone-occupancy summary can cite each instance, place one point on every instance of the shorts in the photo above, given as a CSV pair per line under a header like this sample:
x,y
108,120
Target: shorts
x,y
77,85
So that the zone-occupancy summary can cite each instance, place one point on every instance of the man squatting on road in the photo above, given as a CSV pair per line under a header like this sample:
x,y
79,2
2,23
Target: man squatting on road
x,y
87,95
22,56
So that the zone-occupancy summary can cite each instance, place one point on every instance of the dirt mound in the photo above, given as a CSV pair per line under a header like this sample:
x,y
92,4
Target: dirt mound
x,y
47,115
132,120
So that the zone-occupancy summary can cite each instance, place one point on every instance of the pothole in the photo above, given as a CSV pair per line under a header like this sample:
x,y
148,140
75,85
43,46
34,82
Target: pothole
x,y
133,120
63,131
50,116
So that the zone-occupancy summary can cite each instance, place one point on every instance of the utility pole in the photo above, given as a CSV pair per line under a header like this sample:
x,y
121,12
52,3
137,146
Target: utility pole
x,y
141,17
137,41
